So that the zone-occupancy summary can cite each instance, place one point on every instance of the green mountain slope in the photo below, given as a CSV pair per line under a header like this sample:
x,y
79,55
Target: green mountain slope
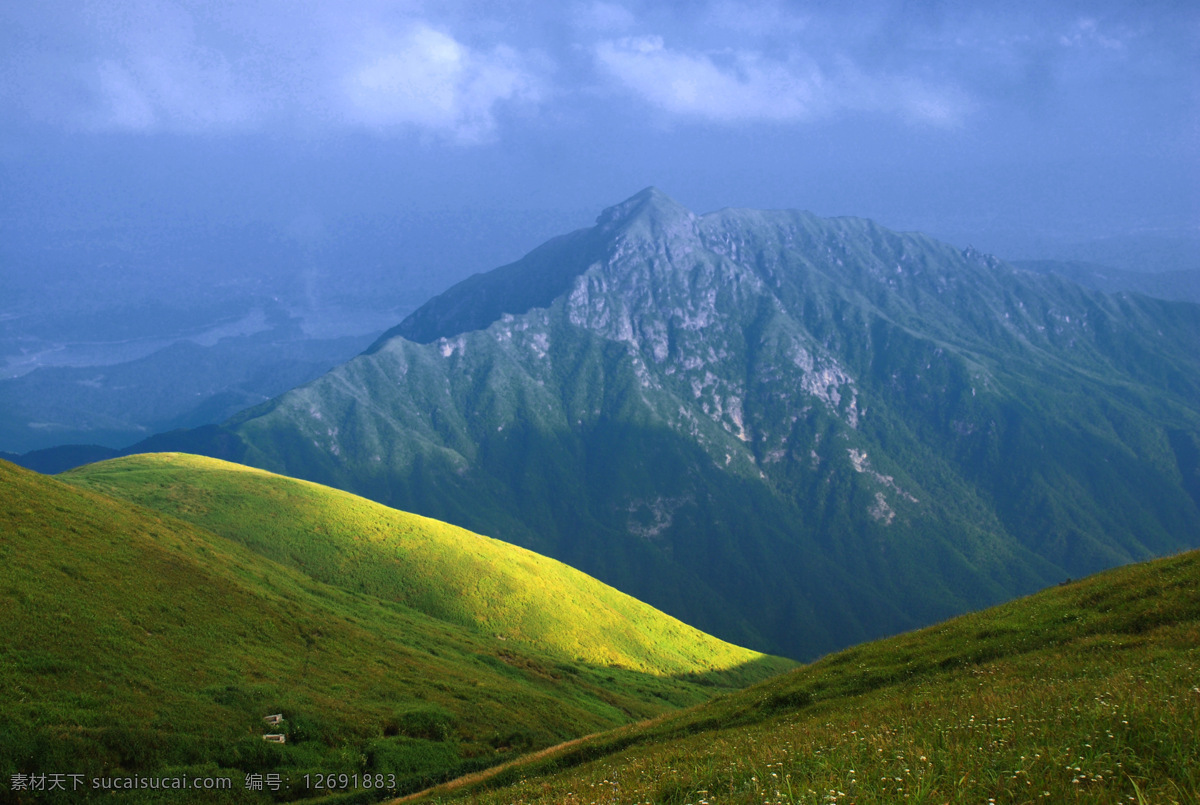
x,y
440,570
792,432
1083,693
141,644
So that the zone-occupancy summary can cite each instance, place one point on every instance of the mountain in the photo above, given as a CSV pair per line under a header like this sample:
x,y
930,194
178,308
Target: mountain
x,y
1082,693
109,334
795,433
183,385
1180,284
1149,251
143,644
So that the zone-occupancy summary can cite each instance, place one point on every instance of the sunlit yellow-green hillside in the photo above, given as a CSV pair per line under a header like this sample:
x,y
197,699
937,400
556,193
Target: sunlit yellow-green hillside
x,y
447,572
137,643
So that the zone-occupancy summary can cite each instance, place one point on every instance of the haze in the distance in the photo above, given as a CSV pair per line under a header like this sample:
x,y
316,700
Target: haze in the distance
x,y
1009,125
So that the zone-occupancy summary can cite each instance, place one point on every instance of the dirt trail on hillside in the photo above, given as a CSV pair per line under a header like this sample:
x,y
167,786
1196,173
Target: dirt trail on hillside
x,y
480,776
486,774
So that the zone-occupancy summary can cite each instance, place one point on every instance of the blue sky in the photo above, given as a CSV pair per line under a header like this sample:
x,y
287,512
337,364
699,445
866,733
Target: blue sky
x,y
1002,123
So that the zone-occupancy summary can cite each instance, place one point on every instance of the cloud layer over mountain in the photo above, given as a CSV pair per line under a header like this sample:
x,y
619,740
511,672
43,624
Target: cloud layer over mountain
x,y
447,69
950,118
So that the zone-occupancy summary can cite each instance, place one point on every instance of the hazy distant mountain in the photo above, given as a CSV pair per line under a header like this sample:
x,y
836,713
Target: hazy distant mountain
x,y
110,333
1146,252
181,385
1181,284
793,432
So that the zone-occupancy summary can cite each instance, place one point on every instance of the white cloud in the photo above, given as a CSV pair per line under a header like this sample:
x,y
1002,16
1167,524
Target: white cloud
x,y
208,66
134,66
759,18
748,88
601,16
120,104
186,92
1087,32
428,80
744,85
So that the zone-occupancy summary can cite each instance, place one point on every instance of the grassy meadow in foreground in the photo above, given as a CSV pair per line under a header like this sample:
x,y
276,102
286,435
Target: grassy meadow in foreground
x,y
141,644
1088,692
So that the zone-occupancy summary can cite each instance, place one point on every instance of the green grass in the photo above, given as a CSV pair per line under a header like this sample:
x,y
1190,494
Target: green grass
x,y
139,643
1088,692
499,589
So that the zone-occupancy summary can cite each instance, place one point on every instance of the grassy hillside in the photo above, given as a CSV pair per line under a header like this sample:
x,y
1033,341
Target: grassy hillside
x,y
441,570
1087,692
138,643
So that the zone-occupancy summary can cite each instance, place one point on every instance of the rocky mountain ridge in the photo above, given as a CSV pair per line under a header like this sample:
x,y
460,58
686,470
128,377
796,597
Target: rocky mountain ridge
x,y
793,432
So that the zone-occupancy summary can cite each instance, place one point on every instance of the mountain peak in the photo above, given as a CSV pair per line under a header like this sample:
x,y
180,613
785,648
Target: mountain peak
x,y
547,272
799,432
652,206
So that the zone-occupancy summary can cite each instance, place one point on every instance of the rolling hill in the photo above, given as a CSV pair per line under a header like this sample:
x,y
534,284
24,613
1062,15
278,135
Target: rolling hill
x,y
1083,693
795,433
141,644
437,569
